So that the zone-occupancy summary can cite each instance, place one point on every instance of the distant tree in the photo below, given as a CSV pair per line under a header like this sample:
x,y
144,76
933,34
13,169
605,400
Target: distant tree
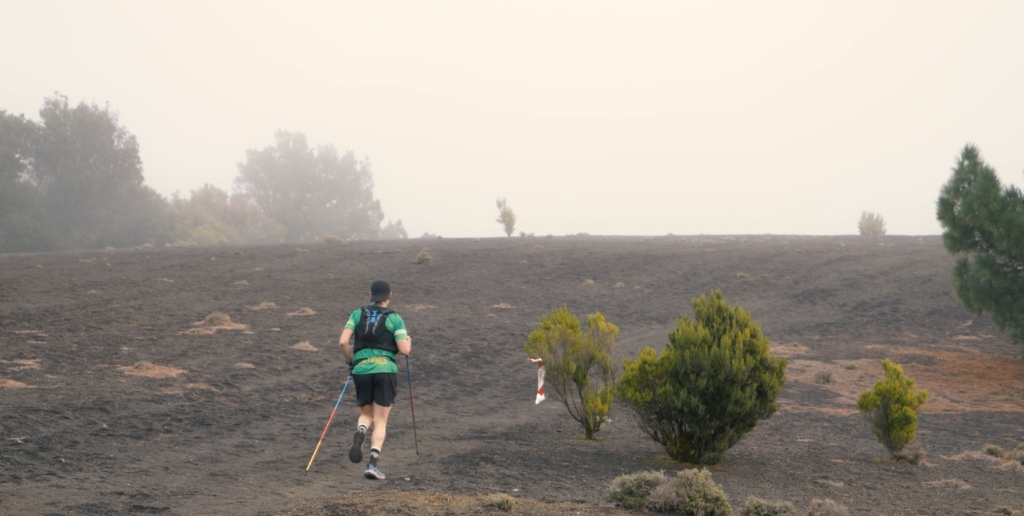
x,y
506,217
871,224
393,231
79,182
709,387
211,216
311,192
573,361
983,224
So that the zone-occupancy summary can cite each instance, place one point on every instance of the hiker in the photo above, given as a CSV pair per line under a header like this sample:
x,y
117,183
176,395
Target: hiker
x,y
379,335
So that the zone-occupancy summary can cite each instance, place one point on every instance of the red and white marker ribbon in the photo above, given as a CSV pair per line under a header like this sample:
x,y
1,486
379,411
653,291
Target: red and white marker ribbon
x,y
540,379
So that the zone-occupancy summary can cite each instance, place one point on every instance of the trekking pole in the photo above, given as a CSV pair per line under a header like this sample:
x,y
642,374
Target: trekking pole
x,y
329,422
412,407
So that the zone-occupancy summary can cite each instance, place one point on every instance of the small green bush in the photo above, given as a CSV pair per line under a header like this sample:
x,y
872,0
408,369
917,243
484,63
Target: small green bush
x,y
331,239
994,450
572,359
424,258
1018,453
506,217
710,385
633,490
891,406
826,507
871,224
759,507
691,493
501,501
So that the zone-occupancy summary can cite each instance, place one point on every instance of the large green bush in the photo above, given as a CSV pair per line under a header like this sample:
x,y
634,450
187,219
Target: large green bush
x,y
709,387
891,406
571,357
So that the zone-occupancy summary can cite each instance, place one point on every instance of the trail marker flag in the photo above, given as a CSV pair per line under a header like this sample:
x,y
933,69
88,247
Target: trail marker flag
x,y
540,379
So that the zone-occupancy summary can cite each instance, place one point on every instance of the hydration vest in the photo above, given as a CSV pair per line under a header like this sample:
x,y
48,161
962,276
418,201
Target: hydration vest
x,y
372,333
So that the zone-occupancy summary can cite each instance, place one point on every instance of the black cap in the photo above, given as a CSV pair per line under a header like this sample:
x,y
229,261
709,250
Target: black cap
x,y
380,290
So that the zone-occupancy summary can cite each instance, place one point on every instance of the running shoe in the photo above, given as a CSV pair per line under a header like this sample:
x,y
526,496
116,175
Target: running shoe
x,y
373,473
355,453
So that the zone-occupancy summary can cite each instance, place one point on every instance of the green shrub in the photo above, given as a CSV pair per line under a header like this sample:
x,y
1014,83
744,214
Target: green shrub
x,y
759,507
709,387
1018,453
633,490
691,493
571,357
871,224
331,239
424,258
824,376
826,507
500,501
994,450
891,406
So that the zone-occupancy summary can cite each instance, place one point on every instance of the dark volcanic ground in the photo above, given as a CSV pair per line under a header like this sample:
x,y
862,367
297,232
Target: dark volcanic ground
x,y
233,433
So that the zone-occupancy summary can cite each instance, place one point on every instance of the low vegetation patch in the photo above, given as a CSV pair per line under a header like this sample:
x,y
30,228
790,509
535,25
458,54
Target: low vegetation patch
x,y
948,483
305,346
871,224
11,384
912,453
331,239
826,507
824,376
424,258
303,312
198,331
500,501
994,450
265,306
691,493
632,490
150,370
758,507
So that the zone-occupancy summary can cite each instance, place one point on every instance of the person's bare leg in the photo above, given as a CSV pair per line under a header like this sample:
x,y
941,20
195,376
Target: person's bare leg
x,y
366,415
380,424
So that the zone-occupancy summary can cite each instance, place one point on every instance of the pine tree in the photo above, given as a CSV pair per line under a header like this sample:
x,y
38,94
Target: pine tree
x,y
984,228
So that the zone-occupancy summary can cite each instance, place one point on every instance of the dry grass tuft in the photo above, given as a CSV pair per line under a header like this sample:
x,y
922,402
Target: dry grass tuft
x,y
993,450
502,305
912,453
492,316
619,285
198,331
826,507
23,363
200,387
241,282
244,365
824,376
109,249
217,321
304,312
948,483
331,239
150,370
500,501
264,306
588,282
424,258
305,346
12,384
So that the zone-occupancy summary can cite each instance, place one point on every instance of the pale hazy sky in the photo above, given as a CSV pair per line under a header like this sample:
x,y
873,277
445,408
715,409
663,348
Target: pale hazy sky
x,y
627,118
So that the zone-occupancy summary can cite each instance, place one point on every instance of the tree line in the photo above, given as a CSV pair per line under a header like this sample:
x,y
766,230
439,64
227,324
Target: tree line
x,y
74,180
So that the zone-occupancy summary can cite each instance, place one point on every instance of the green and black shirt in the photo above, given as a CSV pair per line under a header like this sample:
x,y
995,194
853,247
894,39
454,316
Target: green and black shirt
x,y
373,360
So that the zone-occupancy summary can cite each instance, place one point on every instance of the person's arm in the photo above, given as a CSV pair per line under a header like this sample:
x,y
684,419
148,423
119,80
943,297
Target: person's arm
x,y
346,348
404,346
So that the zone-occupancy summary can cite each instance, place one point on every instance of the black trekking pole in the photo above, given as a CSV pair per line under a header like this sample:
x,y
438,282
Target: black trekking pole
x,y
412,407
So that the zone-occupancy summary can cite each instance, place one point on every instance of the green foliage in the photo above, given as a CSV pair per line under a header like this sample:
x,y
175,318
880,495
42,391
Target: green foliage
x,y
871,224
424,258
394,231
311,192
501,501
994,450
983,225
691,493
506,217
211,217
571,358
891,406
758,507
709,387
632,490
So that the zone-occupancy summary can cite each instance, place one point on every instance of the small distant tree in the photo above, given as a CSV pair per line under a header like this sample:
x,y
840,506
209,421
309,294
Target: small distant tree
x,y
983,224
394,231
891,407
871,224
579,366
709,387
506,217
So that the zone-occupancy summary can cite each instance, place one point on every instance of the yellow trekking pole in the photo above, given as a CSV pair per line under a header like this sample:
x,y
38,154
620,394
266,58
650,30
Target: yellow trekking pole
x,y
328,422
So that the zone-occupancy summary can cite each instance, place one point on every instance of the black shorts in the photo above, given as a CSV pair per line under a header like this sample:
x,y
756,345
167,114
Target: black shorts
x,y
376,388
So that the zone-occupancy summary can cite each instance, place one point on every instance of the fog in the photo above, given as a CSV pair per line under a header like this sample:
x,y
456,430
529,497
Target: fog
x,y
681,117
